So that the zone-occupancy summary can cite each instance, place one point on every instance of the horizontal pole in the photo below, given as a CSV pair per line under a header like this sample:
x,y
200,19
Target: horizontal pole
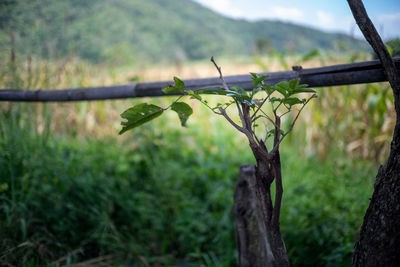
x,y
343,74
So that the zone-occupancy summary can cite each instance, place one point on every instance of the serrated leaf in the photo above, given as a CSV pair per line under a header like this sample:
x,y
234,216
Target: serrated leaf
x,y
299,90
281,89
179,87
300,86
283,84
293,84
138,115
292,101
183,110
179,84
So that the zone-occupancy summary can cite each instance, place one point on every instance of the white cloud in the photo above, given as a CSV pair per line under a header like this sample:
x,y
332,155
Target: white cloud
x,y
276,12
325,19
285,13
328,21
222,6
388,25
390,17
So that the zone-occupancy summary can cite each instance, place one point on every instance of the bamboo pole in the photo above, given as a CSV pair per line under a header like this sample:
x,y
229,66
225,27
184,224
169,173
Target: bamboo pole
x,y
343,74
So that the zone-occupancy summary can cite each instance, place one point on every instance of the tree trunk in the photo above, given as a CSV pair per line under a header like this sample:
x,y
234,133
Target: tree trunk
x,y
379,240
258,233
251,236
267,172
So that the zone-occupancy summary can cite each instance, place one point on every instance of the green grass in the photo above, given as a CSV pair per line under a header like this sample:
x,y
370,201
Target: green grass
x,y
162,196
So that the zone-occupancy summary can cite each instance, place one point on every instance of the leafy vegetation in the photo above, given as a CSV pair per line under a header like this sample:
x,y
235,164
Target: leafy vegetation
x,y
157,200
69,192
121,32
394,46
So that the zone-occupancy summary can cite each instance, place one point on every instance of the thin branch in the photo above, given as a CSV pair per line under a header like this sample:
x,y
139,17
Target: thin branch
x,y
276,146
260,106
279,190
371,35
220,74
277,132
275,109
212,109
176,100
240,114
268,118
248,122
283,114
240,129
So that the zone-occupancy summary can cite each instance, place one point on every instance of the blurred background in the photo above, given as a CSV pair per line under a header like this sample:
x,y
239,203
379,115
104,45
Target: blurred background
x,y
72,191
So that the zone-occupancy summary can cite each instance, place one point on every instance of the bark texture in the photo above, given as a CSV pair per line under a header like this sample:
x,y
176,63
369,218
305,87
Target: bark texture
x,y
266,172
251,236
379,240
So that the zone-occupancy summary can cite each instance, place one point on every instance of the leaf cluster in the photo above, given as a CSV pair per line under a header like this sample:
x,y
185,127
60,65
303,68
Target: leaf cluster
x,y
282,98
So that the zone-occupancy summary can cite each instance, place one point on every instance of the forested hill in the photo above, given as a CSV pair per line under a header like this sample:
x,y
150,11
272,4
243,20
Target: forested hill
x,y
151,30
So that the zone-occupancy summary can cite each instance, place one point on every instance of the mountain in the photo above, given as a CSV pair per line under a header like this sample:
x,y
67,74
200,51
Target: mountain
x,y
151,30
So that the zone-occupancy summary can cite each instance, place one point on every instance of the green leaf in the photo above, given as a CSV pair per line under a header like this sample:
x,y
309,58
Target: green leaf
x,y
257,80
275,99
293,84
244,99
194,95
390,49
179,87
253,74
292,101
216,92
179,83
239,90
283,84
303,90
282,87
310,55
139,115
183,110
301,86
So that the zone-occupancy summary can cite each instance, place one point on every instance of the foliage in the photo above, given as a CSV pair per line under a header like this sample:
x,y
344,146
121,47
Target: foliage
x,y
394,45
86,198
75,187
250,111
121,31
281,97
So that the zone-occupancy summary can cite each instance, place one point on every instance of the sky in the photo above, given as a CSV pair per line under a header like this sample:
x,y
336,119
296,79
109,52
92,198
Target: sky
x,y
328,15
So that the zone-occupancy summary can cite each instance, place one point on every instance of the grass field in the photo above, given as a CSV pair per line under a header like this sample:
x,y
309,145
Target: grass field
x,y
72,190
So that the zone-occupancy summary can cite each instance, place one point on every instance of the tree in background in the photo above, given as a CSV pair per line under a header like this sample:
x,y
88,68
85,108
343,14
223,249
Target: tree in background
x,y
379,240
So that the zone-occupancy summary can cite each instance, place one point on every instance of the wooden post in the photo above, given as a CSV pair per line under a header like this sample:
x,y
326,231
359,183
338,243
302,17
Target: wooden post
x,y
253,247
